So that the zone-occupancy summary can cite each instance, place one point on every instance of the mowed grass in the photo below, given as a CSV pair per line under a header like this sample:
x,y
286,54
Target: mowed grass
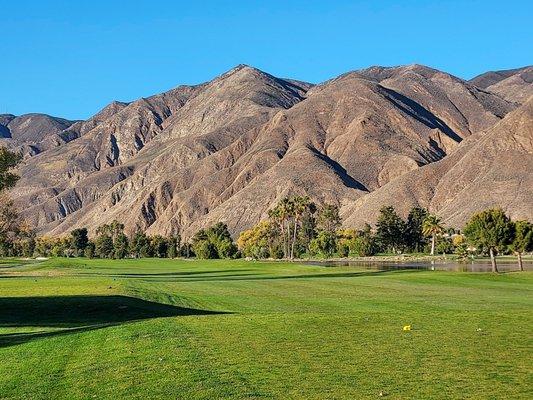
x,y
178,329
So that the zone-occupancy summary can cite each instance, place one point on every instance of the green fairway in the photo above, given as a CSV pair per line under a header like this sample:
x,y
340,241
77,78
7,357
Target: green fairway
x,y
179,329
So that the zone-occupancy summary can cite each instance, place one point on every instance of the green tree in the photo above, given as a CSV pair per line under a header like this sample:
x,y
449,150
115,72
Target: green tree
x,y
220,237
79,240
214,242
113,229
218,232
204,249
431,226
444,245
462,250
414,236
308,228
12,227
202,246
28,246
325,243
260,241
227,249
90,250
390,229
365,243
346,239
43,246
10,223
104,246
173,246
60,247
140,245
522,241
8,161
490,230
284,214
328,221
186,250
120,246
160,246
328,218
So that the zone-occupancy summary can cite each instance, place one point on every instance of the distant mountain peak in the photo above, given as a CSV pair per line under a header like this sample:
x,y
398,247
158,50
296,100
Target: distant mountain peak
x,y
489,78
243,69
514,85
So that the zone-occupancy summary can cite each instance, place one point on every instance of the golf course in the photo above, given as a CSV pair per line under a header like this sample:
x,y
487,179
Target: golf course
x,y
209,329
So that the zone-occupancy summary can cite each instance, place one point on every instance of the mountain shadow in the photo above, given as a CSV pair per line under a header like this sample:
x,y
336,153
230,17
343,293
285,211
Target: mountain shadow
x,y
346,178
421,114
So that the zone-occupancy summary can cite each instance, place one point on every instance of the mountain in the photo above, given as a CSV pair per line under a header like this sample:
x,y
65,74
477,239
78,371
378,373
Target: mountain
x,y
189,123
33,133
514,85
228,149
489,169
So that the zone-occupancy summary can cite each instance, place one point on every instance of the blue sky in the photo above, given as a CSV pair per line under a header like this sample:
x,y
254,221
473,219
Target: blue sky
x,y
71,58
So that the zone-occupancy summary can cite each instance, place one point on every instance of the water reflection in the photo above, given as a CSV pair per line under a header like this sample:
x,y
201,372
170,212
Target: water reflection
x,y
506,265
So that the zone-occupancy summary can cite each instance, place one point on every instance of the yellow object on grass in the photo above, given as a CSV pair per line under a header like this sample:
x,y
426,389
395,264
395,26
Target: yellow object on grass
x,y
407,328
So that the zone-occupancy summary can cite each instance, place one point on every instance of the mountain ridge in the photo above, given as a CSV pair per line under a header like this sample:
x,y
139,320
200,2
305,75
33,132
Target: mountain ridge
x,y
229,148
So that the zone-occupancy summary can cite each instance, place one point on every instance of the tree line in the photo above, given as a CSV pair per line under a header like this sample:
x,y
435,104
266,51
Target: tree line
x,y
296,227
109,242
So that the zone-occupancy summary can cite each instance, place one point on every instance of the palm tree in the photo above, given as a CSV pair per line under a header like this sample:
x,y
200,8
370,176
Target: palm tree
x,y
432,227
282,215
277,216
287,211
300,206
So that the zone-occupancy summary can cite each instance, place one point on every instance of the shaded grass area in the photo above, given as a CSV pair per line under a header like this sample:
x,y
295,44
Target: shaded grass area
x,y
248,330
77,314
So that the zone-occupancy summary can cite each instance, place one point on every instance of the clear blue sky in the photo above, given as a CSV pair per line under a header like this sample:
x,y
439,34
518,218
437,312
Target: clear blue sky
x,y
70,58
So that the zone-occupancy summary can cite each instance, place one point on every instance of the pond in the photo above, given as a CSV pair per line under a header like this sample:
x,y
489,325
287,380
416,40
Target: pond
x,y
504,265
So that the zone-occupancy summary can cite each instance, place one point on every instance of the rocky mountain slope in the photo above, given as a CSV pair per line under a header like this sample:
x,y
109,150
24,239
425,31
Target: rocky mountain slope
x,y
228,149
514,85
31,134
489,169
